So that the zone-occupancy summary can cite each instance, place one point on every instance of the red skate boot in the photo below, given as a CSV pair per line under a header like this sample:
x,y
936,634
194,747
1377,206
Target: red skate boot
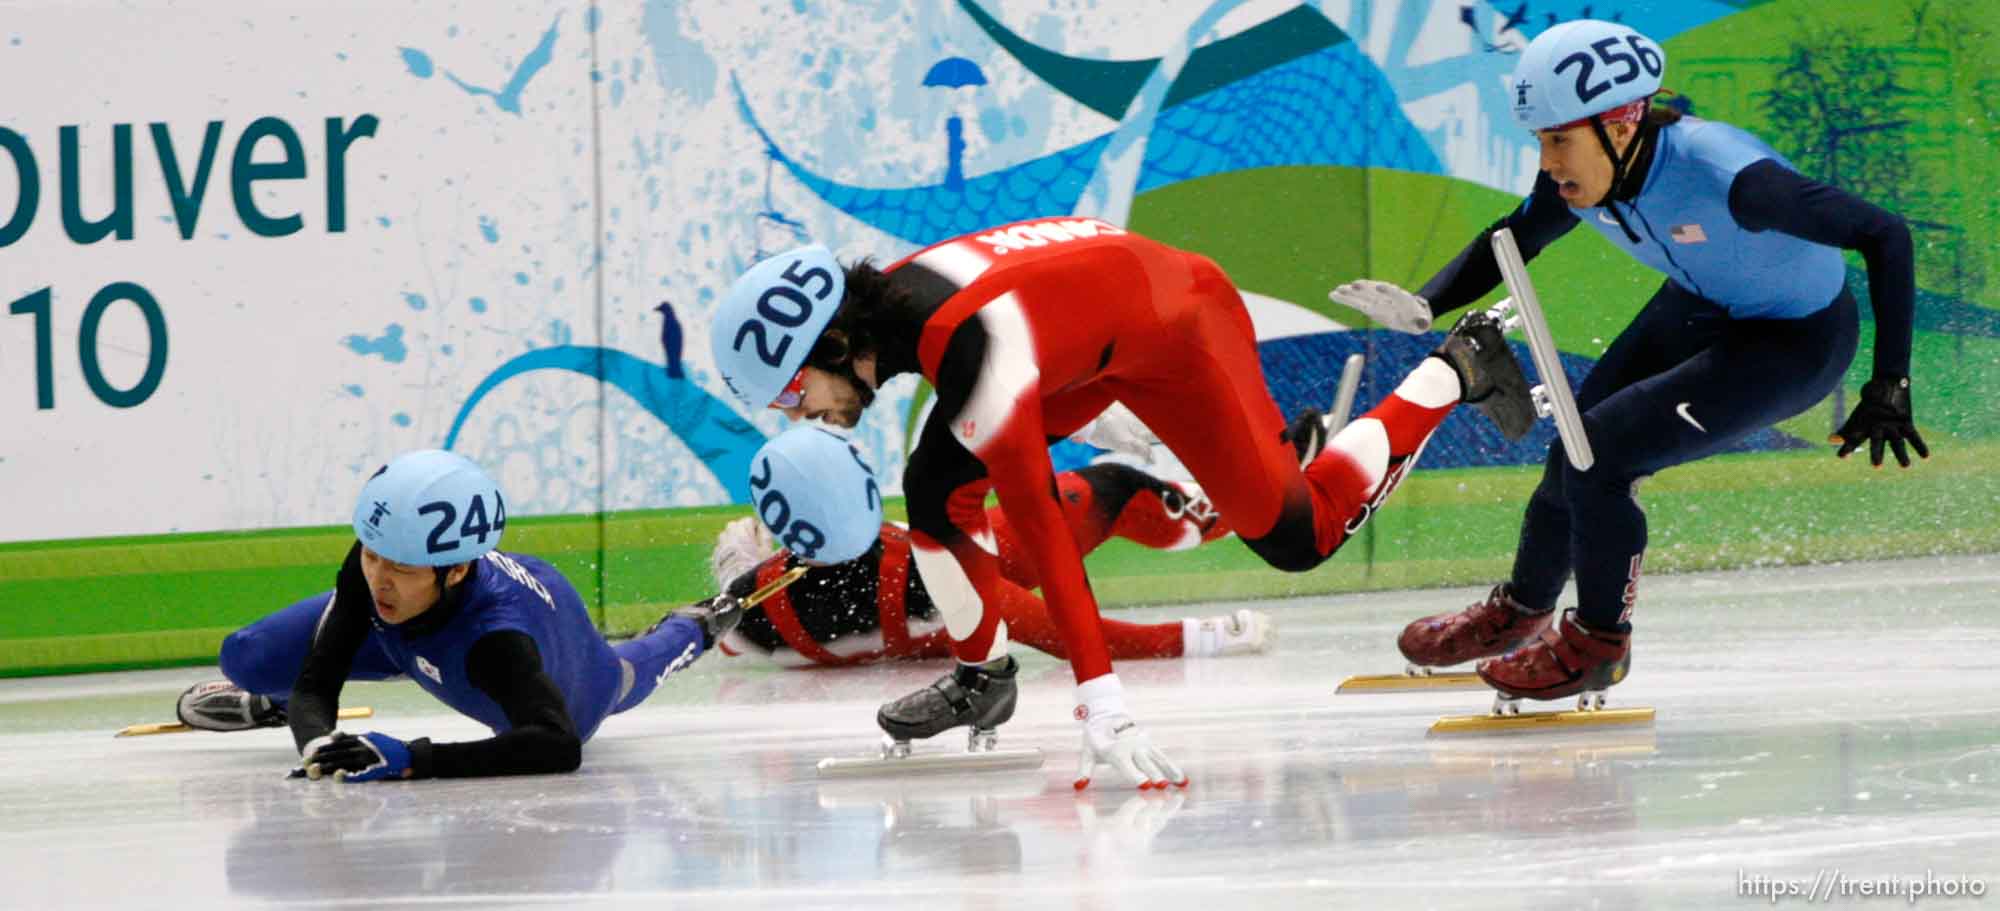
x,y
1568,659
1491,627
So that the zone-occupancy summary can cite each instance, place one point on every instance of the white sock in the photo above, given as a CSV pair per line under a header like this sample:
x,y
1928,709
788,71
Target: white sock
x,y
1193,643
1432,385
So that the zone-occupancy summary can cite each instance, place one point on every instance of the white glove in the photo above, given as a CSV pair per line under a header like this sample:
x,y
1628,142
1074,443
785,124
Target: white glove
x,y
742,545
1386,304
1119,430
1111,736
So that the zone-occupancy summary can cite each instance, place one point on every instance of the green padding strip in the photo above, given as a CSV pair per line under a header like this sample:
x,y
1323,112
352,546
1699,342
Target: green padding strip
x,y
1453,527
21,657
249,550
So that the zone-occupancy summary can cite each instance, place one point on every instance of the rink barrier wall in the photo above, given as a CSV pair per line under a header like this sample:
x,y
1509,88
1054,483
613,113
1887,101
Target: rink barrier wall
x,y
165,601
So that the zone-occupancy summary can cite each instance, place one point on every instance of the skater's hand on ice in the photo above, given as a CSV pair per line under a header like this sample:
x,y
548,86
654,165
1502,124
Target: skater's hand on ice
x,y
1387,304
1119,430
1114,739
1882,416
368,757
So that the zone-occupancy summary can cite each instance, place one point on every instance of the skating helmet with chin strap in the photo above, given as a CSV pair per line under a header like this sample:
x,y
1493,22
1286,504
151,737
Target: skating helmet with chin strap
x,y
770,321
1583,69
430,508
812,489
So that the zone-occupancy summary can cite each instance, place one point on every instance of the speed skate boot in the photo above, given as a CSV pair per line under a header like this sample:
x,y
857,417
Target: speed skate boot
x,y
219,705
980,695
1488,375
1567,659
1491,627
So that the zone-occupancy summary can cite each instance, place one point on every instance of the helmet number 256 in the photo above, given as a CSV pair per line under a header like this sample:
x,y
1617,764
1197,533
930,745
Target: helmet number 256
x,y
769,307
1644,55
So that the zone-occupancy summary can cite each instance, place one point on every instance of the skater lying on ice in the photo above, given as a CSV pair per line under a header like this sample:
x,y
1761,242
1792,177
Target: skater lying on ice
x,y
1026,332
877,608
503,638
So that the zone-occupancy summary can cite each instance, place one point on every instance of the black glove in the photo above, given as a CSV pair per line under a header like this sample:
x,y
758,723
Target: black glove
x,y
1882,416
717,616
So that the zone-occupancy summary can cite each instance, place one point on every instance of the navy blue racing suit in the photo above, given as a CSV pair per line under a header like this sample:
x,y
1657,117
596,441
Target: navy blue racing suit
x,y
1754,324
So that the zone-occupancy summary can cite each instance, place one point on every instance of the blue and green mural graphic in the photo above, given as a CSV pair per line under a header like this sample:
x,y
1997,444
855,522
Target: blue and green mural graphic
x,y
1322,143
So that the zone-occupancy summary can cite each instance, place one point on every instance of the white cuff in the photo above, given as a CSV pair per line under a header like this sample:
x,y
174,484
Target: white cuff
x,y
1100,696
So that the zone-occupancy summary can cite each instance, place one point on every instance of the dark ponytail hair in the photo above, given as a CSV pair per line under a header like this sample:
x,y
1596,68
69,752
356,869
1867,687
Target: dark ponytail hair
x,y
873,310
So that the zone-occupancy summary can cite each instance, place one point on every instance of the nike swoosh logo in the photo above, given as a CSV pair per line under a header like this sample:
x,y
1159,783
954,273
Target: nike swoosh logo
x,y
1682,410
1605,217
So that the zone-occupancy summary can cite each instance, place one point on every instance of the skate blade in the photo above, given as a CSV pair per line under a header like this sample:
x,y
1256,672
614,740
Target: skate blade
x,y
928,763
1540,721
1409,683
175,727
1556,394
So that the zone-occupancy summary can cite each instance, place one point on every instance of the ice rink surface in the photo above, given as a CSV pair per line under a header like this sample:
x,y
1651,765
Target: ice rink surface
x,y
1827,725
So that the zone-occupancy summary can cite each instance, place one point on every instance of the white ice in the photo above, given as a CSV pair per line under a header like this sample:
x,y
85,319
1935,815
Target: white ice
x,y
1835,722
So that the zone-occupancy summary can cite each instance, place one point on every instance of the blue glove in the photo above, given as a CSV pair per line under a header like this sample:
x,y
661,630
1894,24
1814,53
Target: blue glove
x,y
369,757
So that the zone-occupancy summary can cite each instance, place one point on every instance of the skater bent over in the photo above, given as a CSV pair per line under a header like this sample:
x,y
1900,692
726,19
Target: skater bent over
x,y
1753,324
1026,332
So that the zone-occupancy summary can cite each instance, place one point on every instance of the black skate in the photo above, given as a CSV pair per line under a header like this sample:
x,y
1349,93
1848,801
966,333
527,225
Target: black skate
x,y
979,696
1307,433
717,616
219,705
1488,374
970,695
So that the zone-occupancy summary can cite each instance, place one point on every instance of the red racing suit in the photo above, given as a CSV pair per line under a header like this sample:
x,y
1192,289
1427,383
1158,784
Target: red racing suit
x,y
1033,329
875,608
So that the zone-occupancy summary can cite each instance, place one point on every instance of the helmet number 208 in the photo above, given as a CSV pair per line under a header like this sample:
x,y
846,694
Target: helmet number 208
x,y
800,537
786,307
1644,56
476,524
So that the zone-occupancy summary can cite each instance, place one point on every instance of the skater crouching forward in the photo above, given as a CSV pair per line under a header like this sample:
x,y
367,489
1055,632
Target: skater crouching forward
x,y
501,637
1026,332
1754,324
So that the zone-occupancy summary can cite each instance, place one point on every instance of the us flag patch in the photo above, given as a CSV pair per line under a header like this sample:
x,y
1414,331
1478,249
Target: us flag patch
x,y
1688,234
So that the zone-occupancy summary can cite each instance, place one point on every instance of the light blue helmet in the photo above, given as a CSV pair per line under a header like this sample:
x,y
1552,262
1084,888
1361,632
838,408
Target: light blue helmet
x,y
816,495
430,508
773,316
1582,68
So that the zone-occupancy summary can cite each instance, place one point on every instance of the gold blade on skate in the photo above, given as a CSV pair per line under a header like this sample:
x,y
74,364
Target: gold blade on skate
x,y
775,586
1409,683
1541,721
175,727
930,763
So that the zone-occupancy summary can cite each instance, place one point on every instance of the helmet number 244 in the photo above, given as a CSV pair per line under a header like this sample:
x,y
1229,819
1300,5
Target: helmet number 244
x,y
476,523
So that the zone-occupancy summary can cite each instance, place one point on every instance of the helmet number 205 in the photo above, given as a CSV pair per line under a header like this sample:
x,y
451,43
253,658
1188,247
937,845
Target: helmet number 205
x,y
771,306
476,524
1645,55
